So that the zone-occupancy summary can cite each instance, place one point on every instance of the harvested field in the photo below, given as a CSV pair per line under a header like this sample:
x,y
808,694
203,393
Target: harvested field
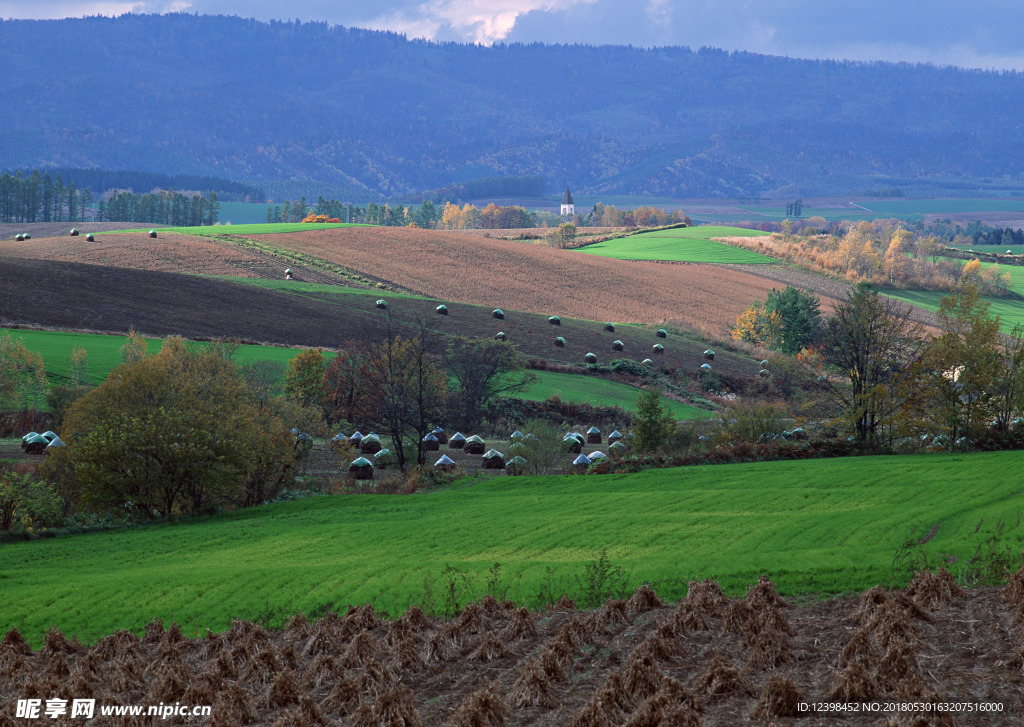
x,y
708,660
170,252
535,278
8,230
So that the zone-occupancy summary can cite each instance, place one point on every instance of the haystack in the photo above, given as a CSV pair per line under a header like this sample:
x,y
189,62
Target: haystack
x,y
361,469
658,348
457,441
618,345
356,438
339,439
430,443
615,436
596,455
498,313
74,232
442,310
661,333
516,435
441,434
494,460
55,443
555,321
560,342
384,458
609,327
445,464
152,233
572,444
705,367
500,336
36,444
90,237
764,363
764,373
580,464
617,447
590,358
382,303
516,465
647,362
19,237
475,445
594,436
709,354
370,444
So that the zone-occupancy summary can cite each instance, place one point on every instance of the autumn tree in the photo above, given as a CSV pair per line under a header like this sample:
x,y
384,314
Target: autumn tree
x,y
1008,388
170,433
480,371
870,341
23,379
304,378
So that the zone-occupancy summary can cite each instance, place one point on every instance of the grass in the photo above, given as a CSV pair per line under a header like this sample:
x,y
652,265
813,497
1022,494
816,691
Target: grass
x,y
816,526
104,351
592,390
687,244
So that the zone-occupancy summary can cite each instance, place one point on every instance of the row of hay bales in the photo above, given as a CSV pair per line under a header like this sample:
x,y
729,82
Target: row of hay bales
x,y
36,443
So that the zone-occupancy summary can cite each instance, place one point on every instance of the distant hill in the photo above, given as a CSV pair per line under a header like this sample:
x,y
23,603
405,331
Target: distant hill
x,y
363,114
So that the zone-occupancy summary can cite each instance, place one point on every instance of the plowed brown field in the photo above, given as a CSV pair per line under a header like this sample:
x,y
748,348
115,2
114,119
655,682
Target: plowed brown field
x,y
893,658
537,278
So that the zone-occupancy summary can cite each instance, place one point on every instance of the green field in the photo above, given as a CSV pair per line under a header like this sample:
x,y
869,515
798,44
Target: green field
x,y
817,527
686,244
104,351
1010,310
592,390
243,213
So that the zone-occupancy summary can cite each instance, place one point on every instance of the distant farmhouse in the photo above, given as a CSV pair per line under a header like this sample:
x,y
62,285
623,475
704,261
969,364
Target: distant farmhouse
x,y
568,208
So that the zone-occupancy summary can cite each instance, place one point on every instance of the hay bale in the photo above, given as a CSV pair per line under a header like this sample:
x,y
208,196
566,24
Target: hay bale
x,y
516,465
19,237
441,434
572,445
516,435
615,436
36,444
580,464
709,354
442,310
90,237
74,232
384,458
618,448
361,469
430,443
764,363
609,327
597,455
594,436
475,445
498,313
493,460
152,233
382,304
705,367
647,362
370,444
658,348
26,236
500,336
457,441
764,373
560,342
555,321
590,358
661,333
445,464
617,345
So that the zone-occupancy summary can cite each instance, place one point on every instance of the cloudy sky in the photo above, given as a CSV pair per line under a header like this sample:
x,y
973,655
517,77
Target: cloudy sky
x,y
978,34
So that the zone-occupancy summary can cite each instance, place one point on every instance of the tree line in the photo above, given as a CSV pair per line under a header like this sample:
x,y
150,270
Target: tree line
x,y
163,208
37,197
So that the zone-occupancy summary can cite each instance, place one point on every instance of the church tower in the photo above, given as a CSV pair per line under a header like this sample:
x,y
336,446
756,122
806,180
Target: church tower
x,y
568,208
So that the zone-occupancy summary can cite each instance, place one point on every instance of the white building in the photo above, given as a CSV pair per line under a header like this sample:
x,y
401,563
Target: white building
x,y
568,208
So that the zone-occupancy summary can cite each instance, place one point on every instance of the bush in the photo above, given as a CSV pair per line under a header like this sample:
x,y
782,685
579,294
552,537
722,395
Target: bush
x,y
753,422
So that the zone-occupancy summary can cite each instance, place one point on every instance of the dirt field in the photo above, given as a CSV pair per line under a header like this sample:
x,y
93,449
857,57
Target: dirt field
x,y
708,661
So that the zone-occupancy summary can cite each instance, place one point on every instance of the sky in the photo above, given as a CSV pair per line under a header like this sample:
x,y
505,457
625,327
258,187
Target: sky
x,y
978,34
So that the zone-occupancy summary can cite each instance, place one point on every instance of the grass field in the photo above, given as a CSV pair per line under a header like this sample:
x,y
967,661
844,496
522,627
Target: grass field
x,y
687,244
589,389
1010,310
817,527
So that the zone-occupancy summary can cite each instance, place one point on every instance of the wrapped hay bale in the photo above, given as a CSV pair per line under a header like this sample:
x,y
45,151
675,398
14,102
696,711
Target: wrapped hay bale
x,y
475,445
382,304
500,336
764,373
709,355
764,363
597,455
618,345
445,464
572,444
74,232
661,333
555,321
594,436
339,439
705,367
361,469
90,237
493,460
658,348
370,444
516,465
590,358
609,327
152,234
498,313
384,458
457,441
430,443
580,464
615,436
516,435
442,310
441,434
647,362
36,444
617,447
560,342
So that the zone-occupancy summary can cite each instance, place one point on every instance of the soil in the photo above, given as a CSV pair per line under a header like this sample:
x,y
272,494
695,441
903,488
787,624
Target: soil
x,y
706,661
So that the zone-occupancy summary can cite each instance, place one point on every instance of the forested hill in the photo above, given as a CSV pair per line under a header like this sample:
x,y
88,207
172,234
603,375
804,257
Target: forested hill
x,y
372,112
